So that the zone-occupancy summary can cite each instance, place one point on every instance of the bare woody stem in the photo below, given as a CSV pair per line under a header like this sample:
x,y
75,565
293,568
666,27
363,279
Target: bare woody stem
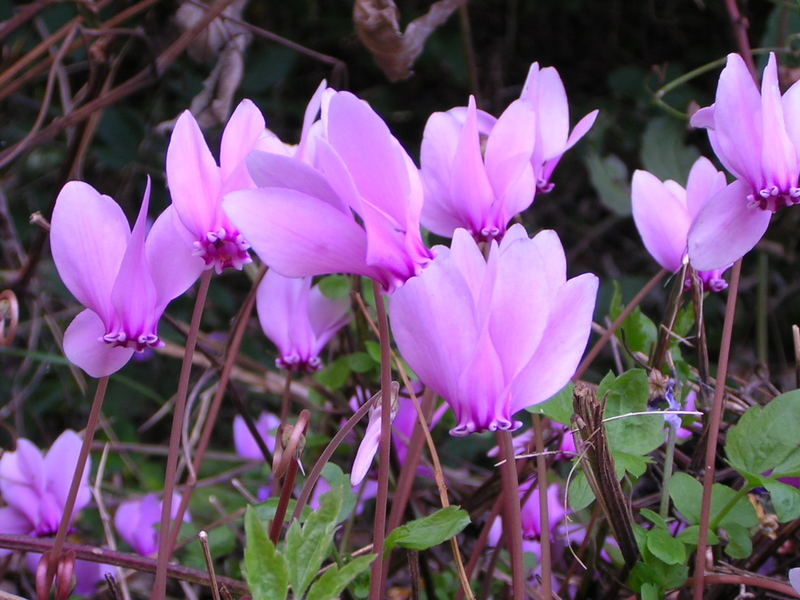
x,y
164,551
83,455
379,528
713,431
600,344
544,520
512,521
213,411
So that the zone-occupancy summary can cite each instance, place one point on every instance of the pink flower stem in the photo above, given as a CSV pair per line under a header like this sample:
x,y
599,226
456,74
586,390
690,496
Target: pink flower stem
x,y
286,398
164,551
600,344
544,521
379,527
713,431
512,521
216,402
316,470
66,516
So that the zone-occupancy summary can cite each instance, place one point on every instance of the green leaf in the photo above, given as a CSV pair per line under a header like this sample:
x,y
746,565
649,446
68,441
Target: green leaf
x,y
650,591
637,331
766,438
558,407
360,362
334,375
687,493
307,547
266,510
785,499
336,478
665,547
739,543
221,542
655,518
579,495
373,349
610,179
628,393
333,581
334,286
429,531
689,536
265,568
635,465
663,152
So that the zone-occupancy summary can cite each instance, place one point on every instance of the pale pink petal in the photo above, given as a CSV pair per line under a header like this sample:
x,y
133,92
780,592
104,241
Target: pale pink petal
x,y
508,155
372,155
282,304
193,177
791,113
170,259
368,446
244,442
661,218
327,315
305,147
60,462
704,181
562,345
23,479
481,401
14,522
794,579
243,130
778,155
581,128
553,109
467,259
298,235
88,237
273,170
83,346
553,259
726,228
737,121
472,193
703,118
134,294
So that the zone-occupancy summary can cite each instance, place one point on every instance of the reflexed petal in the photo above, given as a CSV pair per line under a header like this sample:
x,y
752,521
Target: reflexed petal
x,y
581,128
14,522
726,229
553,259
794,578
172,266
791,113
134,293
298,235
368,446
193,177
562,345
311,112
703,118
471,190
467,258
23,479
661,218
704,181
737,121
327,315
481,402
433,322
84,347
778,155
273,170
88,237
245,443
60,462
243,130
372,155
553,109
282,304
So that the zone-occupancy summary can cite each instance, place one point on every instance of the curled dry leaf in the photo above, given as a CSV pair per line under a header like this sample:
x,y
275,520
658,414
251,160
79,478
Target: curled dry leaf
x,y
377,25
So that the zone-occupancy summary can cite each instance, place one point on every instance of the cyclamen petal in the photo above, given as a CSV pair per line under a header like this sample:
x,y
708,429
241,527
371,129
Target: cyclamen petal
x,y
136,522
456,326
244,442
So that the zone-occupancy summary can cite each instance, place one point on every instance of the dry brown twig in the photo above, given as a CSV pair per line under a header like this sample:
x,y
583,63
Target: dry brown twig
x,y
395,51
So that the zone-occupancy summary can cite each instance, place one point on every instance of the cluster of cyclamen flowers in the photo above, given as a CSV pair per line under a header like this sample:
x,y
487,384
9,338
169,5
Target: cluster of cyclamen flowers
x,y
492,328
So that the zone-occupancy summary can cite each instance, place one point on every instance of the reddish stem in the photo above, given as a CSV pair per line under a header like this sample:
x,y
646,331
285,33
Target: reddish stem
x,y
713,430
544,520
512,521
83,455
164,551
739,24
379,524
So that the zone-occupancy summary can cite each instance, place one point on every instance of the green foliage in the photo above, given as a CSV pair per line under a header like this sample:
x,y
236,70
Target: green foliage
x,y
333,581
663,152
635,435
265,568
579,494
429,531
610,178
637,331
334,286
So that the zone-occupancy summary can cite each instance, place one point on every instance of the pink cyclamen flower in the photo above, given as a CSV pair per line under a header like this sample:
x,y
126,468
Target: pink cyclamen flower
x,y
794,579
301,219
544,89
299,319
136,522
244,442
35,486
664,212
494,336
467,187
530,517
756,138
197,184
124,278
